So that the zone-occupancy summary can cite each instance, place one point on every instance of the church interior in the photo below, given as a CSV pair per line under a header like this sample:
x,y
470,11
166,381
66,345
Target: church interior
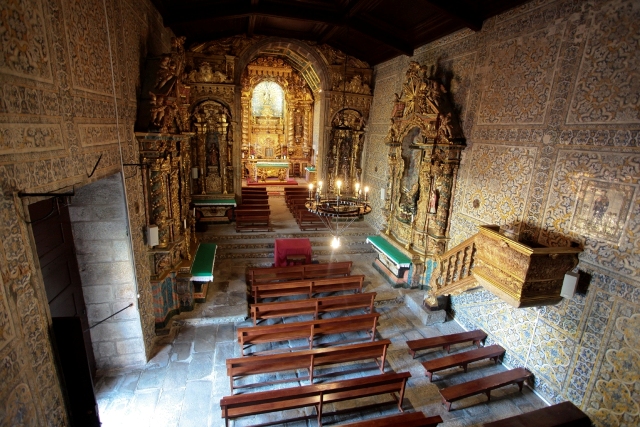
x,y
181,177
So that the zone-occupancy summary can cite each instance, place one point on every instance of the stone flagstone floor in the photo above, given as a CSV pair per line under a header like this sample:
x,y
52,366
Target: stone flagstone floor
x,y
181,386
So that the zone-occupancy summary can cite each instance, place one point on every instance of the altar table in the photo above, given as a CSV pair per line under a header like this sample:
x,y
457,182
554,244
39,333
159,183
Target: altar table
x,y
285,247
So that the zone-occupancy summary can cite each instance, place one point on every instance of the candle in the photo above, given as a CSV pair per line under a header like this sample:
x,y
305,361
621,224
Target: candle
x,y
319,186
310,190
357,188
366,190
338,184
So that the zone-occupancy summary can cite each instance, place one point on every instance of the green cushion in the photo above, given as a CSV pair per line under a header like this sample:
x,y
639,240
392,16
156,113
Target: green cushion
x,y
202,267
389,250
214,202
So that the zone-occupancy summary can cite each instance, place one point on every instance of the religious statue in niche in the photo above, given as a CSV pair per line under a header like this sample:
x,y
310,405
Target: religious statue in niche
x,y
410,191
212,142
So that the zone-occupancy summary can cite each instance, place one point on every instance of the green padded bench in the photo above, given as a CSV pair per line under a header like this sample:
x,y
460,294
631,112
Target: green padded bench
x,y
202,270
391,261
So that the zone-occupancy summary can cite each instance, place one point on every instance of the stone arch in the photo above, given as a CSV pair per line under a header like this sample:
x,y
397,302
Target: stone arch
x,y
302,57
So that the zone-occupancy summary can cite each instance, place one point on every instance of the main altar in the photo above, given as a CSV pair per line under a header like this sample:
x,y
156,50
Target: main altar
x,y
260,171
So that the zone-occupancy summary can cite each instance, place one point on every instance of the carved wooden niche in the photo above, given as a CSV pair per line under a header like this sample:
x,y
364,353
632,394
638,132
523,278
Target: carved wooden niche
x,y
425,141
213,148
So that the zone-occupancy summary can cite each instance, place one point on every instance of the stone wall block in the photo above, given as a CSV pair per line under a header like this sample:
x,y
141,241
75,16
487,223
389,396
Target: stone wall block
x,y
104,230
104,349
116,330
98,312
125,291
100,192
106,273
120,250
97,294
129,347
97,213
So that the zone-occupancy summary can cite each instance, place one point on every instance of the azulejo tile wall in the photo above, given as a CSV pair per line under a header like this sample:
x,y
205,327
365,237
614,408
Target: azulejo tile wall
x,y
547,94
57,118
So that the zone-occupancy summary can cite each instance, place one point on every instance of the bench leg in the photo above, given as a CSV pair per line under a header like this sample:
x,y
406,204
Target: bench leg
x,y
465,367
520,384
412,353
488,393
446,404
429,375
476,343
447,347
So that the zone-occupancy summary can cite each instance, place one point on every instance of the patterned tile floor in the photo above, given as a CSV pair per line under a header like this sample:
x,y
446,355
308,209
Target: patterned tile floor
x,y
183,383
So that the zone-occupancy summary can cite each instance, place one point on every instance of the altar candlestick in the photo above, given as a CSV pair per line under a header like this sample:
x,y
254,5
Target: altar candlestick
x,y
310,190
338,184
366,191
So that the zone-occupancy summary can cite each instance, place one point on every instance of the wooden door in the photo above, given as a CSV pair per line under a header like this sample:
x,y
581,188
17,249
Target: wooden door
x,y
56,252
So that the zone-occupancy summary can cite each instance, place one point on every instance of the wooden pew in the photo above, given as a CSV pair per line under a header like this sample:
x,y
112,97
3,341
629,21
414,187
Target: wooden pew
x,y
274,274
309,330
253,220
331,269
309,221
564,414
316,395
255,196
297,272
483,385
307,359
254,189
312,306
445,341
463,359
307,287
405,419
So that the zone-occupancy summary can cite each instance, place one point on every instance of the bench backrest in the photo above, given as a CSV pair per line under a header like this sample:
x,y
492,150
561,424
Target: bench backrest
x,y
338,283
312,305
318,271
297,272
274,274
309,328
297,287
405,419
295,397
306,358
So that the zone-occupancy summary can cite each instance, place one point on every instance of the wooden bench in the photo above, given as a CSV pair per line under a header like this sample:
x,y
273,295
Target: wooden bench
x,y
307,287
483,385
405,419
309,330
564,414
253,220
307,359
445,341
316,395
312,306
332,269
463,359
254,197
309,221
297,272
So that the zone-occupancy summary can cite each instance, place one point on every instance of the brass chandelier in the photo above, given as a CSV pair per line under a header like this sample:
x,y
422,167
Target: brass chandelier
x,y
339,212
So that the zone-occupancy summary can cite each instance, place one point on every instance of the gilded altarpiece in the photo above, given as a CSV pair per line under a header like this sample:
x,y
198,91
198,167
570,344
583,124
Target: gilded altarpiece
x,y
425,142
277,120
166,163
210,77
350,104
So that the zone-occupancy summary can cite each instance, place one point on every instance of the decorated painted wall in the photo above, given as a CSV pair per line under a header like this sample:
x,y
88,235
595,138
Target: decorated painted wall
x,y
60,127
548,99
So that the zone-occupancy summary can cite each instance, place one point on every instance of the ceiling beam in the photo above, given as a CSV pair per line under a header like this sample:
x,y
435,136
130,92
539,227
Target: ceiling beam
x,y
460,12
252,20
185,14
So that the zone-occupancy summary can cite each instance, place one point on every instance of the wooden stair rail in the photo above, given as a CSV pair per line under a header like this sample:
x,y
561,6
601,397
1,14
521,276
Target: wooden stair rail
x,y
453,272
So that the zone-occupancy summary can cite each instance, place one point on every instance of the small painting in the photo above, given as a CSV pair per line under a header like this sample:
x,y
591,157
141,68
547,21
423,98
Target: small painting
x,y
602,209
